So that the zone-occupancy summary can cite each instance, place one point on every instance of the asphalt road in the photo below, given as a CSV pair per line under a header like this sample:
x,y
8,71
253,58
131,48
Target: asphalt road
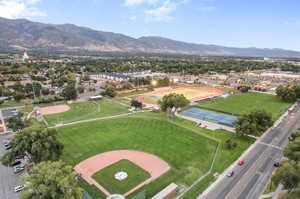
x,y
250,179
8,180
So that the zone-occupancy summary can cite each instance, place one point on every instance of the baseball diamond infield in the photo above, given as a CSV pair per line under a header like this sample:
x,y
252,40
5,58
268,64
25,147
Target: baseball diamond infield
x,y
54,109
192,93
150,163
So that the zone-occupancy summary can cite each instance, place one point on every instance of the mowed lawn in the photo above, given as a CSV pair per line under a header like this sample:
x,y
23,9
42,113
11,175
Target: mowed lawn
x,y
189,154
87,110
244,103
106,177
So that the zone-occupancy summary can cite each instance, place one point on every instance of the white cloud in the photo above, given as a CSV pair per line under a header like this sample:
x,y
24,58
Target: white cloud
x,y
156,10
130,3
164,11
19,8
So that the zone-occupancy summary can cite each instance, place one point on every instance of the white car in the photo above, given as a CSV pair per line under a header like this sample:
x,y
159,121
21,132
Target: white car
x,y
19,188
18,169
230,174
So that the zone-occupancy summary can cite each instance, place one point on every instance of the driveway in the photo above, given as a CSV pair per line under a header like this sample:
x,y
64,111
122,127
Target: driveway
x,y
8,180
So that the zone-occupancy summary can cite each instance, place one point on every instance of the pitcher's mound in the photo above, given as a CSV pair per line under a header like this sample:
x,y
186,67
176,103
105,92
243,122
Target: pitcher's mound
x,y
54,109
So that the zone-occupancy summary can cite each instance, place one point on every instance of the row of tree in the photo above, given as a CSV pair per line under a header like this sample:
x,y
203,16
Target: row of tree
x,y
288,93
289,172
254,123
49,178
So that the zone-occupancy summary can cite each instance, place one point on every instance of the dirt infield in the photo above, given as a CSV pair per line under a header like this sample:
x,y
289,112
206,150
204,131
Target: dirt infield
x,y
192,93
54,109
150,163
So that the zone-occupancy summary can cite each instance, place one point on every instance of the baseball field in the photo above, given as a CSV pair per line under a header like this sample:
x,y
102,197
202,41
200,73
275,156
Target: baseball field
x,y
191,93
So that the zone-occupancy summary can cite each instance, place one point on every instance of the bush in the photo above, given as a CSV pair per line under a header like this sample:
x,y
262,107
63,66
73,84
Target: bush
x,y
48,99
229,144
109,90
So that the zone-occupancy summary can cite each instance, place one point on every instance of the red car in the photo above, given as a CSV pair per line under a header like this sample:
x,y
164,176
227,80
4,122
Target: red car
x,y
241,162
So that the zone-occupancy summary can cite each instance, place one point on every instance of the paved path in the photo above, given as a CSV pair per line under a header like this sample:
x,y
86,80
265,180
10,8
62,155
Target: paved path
x,y
96,119
3,123
250,179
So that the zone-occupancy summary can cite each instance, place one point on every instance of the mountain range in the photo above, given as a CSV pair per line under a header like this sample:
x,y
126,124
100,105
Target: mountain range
x,y
22,34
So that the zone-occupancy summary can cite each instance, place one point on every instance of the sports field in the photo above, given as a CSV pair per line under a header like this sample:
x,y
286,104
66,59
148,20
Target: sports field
x,y
189,154
191,93
87,110
106,177
211,116
244,103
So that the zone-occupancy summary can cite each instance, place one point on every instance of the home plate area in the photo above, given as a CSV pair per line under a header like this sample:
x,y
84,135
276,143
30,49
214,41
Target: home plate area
x,y
119,173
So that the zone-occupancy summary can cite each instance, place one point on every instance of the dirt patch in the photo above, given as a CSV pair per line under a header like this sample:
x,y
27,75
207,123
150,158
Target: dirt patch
x,y
54,109
150,163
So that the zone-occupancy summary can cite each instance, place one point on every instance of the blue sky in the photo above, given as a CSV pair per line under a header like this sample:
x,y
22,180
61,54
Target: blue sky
x,y
239,23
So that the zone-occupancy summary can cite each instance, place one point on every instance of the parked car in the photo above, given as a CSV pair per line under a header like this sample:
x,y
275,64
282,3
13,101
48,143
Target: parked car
x,y
7,147
5,142
18,169
276,164
19,188
16,162
230,174
241,162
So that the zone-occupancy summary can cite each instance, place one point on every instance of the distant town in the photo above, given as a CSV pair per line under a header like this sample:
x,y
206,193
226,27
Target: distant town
x,y
143,126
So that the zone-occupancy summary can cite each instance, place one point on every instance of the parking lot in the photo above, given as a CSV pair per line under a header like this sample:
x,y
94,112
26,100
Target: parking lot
x,y
8,180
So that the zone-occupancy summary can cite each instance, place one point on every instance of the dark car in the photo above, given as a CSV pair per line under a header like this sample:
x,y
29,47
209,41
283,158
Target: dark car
x,y
276,164
7,147
230,174
16,162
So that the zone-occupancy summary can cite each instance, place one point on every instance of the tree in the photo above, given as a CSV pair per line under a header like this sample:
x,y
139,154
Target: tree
x,y
109,90
69,92
173,100
288,175
23,69
229,144
16,123
18,96
163,82
136,104
286,93
293,149
51,180
45,91
80,89
243,89
297,91
253,123
33,89
41,143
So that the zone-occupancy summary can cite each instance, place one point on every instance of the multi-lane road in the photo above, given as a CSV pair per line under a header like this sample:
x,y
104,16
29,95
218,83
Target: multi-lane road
x,y
250,179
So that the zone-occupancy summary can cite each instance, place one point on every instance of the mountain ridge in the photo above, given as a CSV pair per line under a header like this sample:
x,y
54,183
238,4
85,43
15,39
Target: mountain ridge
x,y
23,34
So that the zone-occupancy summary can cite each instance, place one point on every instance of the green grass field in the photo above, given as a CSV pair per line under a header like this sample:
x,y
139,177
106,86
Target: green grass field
x,y
106,177
224,157
87,110
8,104
189,154
244,103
